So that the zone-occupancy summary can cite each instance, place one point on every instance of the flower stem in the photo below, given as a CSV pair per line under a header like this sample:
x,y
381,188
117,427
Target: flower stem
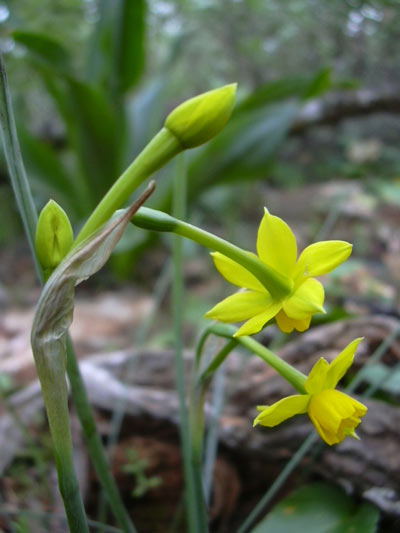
x,y
55,395
163,147
278,285
296,378
218,360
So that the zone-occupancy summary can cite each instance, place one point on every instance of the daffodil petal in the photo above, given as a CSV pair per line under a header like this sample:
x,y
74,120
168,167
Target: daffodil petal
x,y
255,324
235,273
240,306
286,408
276,244
321,258
307,300
317,377
341,363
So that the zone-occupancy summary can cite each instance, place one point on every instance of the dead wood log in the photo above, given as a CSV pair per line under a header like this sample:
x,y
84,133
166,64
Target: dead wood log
x,y
336,106
142,382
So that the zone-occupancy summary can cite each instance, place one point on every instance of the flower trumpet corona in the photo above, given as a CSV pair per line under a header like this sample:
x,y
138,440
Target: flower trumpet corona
x,y
277,249
334,414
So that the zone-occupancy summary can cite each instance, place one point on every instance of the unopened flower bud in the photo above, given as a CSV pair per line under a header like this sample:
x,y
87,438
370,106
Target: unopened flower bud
x,y
201,118
54,236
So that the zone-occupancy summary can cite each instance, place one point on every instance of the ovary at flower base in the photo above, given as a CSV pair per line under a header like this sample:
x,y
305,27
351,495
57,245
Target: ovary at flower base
x,y
277,249
334,414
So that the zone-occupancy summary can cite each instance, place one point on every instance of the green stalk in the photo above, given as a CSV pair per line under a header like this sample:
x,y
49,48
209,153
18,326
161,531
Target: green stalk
x,y
197,401
56,404
197,519
296,378
194,122
211,440
29,513
163,147
278,285
29,216
55,397
294,461
94,443
218,360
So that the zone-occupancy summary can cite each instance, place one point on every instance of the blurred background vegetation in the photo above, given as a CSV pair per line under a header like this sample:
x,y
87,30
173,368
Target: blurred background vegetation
x,y
93,80
318,104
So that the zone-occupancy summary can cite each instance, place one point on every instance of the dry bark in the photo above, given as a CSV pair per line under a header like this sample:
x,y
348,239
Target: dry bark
x,y
336,106
143,382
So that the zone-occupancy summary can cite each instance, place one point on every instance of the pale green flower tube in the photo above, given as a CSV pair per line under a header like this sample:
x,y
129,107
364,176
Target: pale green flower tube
x,y
278,285
191,124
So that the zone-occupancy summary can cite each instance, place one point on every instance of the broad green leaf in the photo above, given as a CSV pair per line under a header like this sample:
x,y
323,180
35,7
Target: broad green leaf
x,y
93,131
47,171
273,92
319,508
101,45
117,51
130,43
93,126
98,136
45,49
319,84
301,87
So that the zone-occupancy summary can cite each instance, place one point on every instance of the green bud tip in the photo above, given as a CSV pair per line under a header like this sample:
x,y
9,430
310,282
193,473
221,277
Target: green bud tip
x,y
201,118
54,236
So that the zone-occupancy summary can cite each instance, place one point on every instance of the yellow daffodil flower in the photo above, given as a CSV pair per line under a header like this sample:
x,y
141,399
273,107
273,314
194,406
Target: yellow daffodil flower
x,y
277,249
334,414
